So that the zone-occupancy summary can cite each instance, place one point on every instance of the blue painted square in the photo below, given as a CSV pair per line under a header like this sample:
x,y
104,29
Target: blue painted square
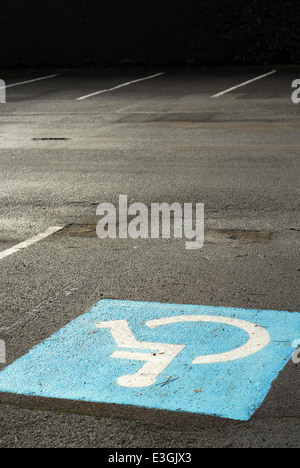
x,y
145,354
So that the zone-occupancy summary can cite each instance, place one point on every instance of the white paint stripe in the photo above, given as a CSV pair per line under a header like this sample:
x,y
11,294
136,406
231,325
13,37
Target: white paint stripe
x,y
29,242
30,81
244,84
119,86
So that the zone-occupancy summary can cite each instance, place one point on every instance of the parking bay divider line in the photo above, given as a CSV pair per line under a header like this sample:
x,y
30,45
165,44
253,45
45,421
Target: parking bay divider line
x,y
30,81
120,86
29,242
244,84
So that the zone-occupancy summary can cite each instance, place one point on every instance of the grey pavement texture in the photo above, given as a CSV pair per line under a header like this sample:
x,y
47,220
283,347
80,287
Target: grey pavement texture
x,y
162,140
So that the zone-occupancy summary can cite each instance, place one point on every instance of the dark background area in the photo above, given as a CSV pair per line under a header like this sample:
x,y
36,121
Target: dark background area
x,y
106,33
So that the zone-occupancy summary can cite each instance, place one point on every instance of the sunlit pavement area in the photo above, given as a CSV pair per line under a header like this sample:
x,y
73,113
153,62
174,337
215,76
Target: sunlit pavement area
x,y
73,140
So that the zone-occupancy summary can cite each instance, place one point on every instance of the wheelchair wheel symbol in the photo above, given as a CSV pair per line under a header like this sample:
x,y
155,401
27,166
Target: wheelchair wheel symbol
x,y
157,362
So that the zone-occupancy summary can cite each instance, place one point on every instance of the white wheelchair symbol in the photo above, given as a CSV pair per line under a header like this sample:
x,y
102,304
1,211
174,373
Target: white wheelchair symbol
x,y
157,362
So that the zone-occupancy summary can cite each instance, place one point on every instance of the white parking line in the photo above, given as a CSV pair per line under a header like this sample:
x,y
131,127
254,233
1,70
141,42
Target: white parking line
x,y
30,81
244,84
27,243
119,86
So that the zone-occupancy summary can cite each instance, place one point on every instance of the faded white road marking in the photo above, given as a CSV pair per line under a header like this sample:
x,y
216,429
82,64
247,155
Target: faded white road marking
x,y
119,86
30,81
244,84
27,243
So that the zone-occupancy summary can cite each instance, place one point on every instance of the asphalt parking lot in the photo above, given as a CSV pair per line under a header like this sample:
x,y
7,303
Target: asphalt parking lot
x,y
73,140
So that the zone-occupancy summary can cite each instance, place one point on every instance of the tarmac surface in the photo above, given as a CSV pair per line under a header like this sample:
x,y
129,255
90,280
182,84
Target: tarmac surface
x,y
164,139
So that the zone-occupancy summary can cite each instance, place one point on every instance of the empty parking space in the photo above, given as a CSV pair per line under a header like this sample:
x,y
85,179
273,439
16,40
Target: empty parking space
x,y
157,137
